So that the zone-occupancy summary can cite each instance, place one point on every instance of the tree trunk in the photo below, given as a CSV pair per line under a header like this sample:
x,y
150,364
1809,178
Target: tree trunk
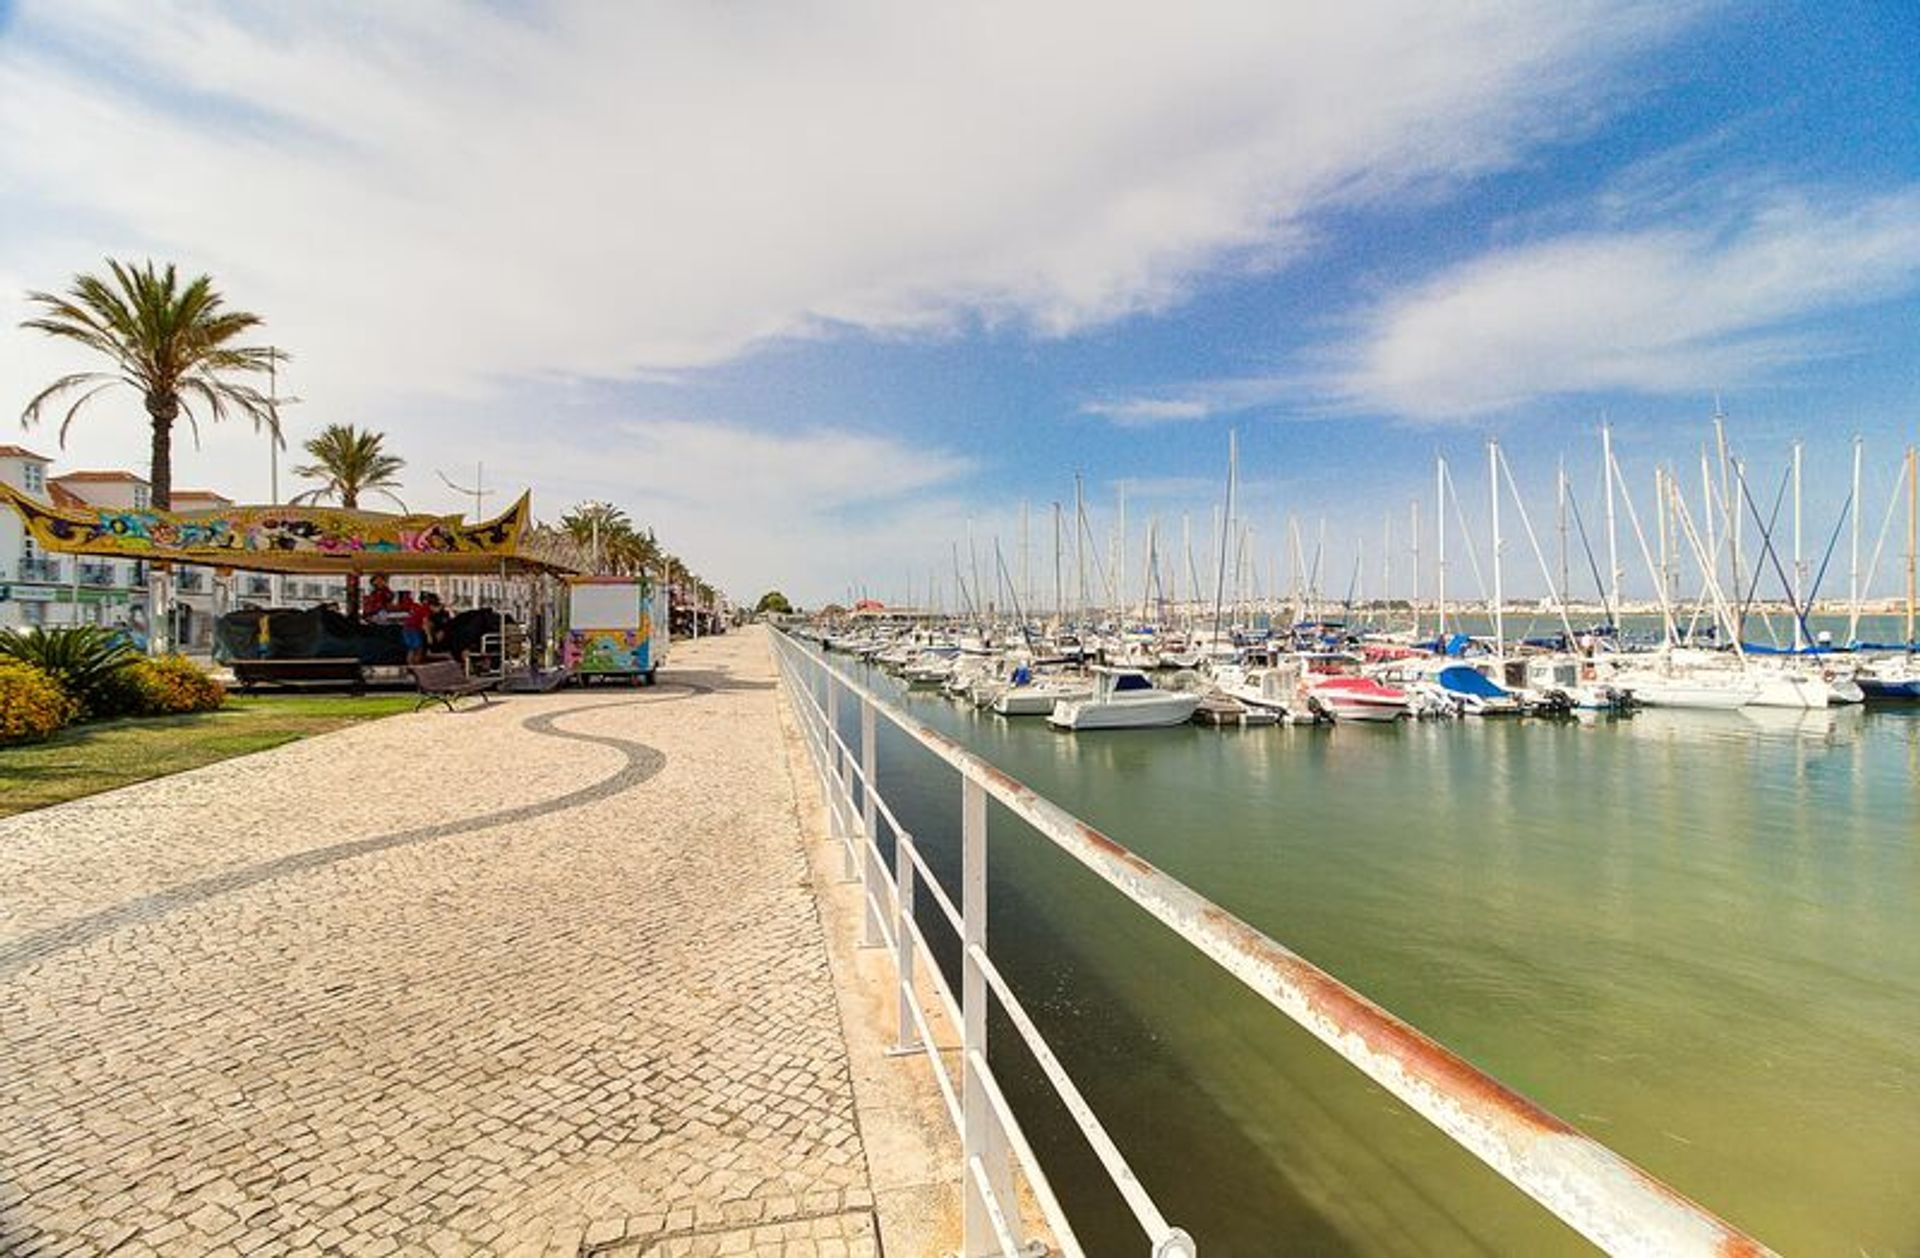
x,y
162,409
350,501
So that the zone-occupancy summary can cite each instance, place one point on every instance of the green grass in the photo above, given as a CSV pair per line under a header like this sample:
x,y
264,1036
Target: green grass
x,y
100,755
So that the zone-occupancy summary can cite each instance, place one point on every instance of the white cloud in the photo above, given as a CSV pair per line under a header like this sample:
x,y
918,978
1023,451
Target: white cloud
x,y
1147,412
801,510
1648,311
448,194
436,199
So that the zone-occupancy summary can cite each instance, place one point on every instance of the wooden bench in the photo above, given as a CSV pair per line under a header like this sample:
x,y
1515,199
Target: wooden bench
x,y
322,671
445,681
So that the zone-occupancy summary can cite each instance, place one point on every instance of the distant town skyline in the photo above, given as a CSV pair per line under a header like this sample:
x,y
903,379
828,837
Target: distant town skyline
x,y
811,293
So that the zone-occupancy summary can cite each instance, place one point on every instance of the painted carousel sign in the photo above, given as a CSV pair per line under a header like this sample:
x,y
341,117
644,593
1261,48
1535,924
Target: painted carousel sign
x,y
279,539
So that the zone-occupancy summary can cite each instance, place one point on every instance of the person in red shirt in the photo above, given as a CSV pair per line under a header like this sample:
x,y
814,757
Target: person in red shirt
x,y
378,599
414,632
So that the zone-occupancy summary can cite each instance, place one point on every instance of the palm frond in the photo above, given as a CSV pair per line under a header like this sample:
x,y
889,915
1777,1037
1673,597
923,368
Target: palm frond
x,y
172,342
31,415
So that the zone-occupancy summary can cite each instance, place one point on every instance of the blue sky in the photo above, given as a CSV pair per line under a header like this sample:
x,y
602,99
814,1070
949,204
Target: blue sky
x,y
811,290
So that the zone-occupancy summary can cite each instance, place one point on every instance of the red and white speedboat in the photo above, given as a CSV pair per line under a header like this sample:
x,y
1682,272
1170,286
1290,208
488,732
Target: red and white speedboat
x,y
1350,698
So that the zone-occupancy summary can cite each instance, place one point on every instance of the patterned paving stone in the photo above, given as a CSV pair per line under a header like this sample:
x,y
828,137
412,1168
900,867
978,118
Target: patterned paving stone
x,y
489,983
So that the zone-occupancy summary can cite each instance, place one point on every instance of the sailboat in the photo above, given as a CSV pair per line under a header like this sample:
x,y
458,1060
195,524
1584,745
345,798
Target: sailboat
x,y
1898,676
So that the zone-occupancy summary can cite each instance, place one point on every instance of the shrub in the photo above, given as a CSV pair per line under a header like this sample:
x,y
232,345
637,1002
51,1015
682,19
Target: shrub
x,y
83,660
174,684
123,692
32,704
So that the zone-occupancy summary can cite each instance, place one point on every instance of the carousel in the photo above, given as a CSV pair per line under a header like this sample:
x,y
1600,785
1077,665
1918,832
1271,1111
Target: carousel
x,y
512,637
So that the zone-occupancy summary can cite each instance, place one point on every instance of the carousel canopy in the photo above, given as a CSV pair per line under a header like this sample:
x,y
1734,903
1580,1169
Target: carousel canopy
x,y
290,539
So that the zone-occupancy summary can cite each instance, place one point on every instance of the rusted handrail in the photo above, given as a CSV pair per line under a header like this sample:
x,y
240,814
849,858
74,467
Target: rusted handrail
x,y
1600,1194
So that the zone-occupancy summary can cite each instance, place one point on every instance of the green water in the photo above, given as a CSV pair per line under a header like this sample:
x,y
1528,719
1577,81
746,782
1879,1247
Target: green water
x,y
1694,935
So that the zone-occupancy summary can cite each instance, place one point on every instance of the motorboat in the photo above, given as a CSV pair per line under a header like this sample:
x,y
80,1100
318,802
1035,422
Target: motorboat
x,y
1040,696
1274,686
929,670
1355,698
1221,709
1473,693
1560,682
1124,698
1892,677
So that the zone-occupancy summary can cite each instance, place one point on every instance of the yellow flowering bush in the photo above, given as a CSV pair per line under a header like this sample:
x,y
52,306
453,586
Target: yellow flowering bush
x,y
173,684
32,704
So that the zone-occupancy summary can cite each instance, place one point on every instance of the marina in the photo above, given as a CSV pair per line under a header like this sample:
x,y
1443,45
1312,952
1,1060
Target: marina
x,y
1651,924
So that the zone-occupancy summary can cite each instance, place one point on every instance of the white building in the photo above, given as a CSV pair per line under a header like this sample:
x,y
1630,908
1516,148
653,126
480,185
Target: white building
x,y
37,588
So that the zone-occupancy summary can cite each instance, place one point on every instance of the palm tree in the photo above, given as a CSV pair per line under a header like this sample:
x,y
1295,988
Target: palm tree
x,y
599,530
350,462
172,343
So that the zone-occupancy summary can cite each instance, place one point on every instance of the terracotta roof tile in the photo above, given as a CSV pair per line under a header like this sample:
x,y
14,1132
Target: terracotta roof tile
x,y
21,452
98,477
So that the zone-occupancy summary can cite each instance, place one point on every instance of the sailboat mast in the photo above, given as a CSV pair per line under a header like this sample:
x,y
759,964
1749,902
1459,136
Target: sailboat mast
x,y
1026,560
1913,538
1193,574
1226,531
1413,521
1079,549
1057,604
1733,518
1499,598
1440,524
1799,564
1560,506
1853,566
1613,546
1293,533
1660,525
1712,561
1386,564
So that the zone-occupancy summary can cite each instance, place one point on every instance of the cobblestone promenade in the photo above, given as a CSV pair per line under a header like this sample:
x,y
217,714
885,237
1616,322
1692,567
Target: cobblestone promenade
x,y
539,978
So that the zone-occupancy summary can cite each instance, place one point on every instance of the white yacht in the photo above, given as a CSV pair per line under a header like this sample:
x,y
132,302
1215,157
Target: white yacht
x,y
1040,693
1123,698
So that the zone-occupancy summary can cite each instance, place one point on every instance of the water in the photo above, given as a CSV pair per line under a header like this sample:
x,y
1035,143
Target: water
x,y
1694,935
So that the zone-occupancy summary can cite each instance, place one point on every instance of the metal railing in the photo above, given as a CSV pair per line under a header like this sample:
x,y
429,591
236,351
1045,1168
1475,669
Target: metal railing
x,y
1607,1199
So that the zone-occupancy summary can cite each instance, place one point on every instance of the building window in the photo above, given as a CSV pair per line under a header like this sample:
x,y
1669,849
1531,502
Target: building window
x,y
33,477
140,498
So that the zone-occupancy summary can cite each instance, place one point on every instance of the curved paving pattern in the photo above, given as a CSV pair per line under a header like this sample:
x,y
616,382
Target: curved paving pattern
x,y
591,1016
642,762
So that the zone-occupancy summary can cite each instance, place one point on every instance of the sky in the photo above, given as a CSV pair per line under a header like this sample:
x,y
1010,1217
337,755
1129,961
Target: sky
x,y
829,293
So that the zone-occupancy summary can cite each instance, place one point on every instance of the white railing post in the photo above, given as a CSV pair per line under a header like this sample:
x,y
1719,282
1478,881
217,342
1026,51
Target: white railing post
x,y
908,1038
981,1136
830,769
871,936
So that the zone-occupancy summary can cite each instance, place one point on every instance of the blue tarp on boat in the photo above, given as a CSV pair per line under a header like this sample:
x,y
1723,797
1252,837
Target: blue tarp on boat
x,y
1466,681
